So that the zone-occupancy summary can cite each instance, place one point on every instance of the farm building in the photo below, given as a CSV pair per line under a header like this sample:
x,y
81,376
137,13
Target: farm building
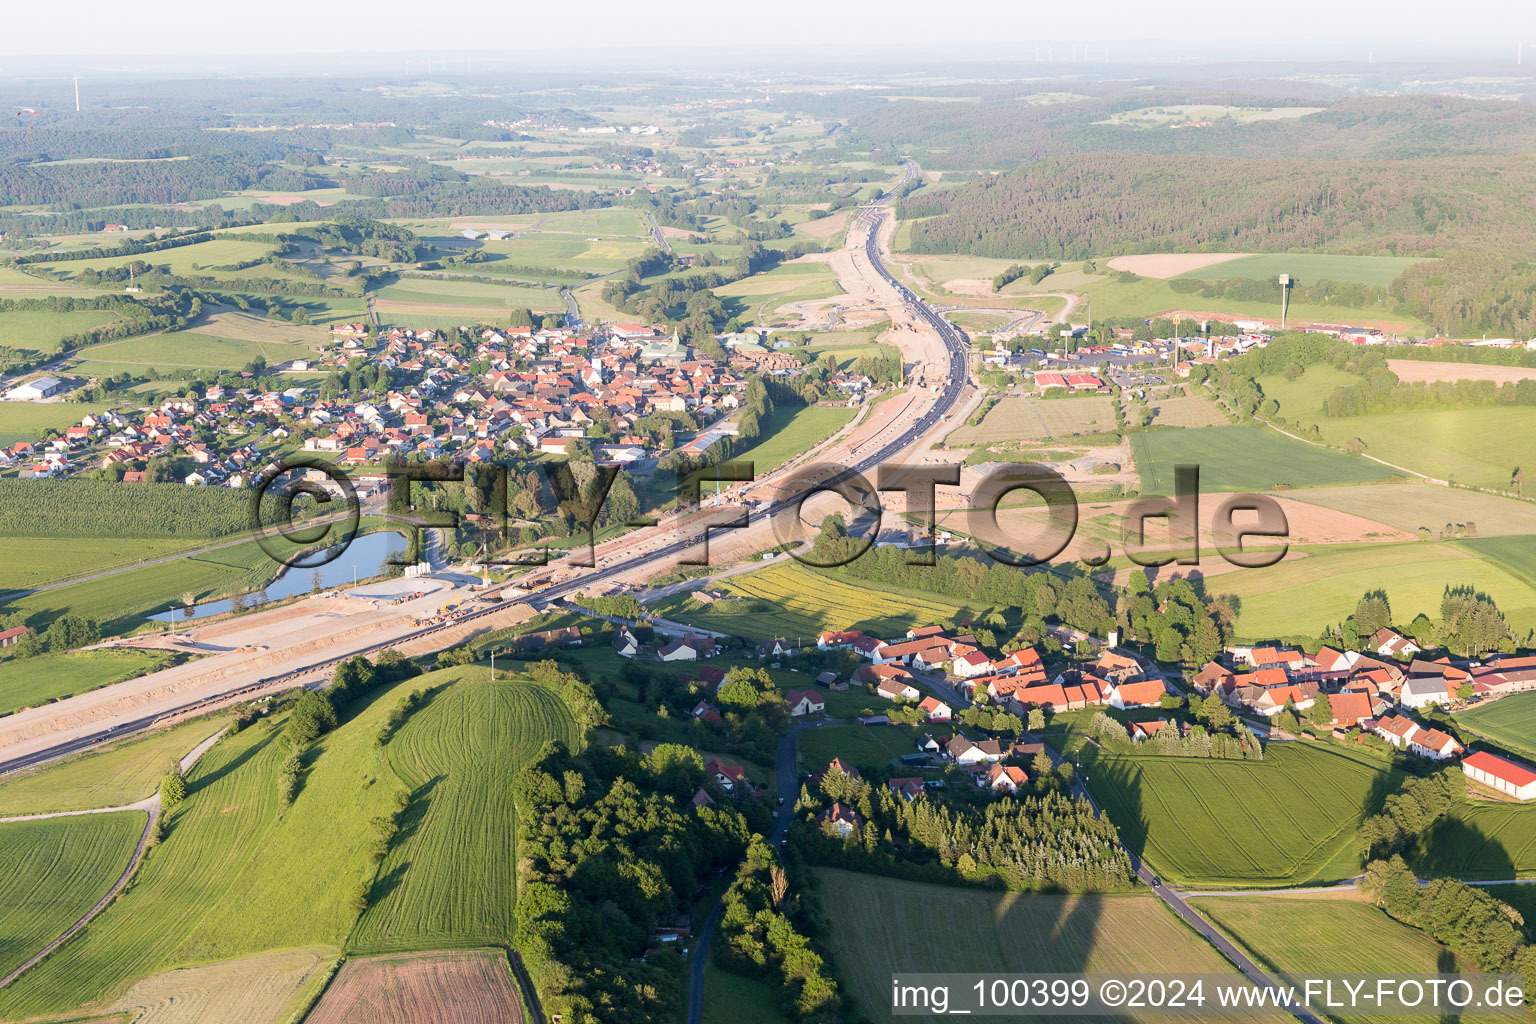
x,y
42,387
10,636
1501,774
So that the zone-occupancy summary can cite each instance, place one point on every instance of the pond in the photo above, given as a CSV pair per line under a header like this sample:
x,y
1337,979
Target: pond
x,y
365,557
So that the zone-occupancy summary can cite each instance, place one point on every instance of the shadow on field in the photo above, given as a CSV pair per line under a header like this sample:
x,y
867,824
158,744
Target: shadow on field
x,y
201,782
410,822
1116,786
1445,963
1461,850
1046,934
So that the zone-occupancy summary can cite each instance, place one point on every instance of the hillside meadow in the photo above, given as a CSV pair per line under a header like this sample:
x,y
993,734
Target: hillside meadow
x,y
1300,596
109,775
55,871
793,601
241,872
451,879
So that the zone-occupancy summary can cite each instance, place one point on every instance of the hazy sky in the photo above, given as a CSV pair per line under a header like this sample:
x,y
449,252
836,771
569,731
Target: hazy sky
x,y
111,27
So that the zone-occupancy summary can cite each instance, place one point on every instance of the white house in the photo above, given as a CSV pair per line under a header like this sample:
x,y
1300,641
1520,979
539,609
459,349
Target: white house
x,y
1389,643
1140,693
1434,744
963,751
973,664
1006,778
935,709
802,703
1421,691
1396,730
895,689
678,650
625,644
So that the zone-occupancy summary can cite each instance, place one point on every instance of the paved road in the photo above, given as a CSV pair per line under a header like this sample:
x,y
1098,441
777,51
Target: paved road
x,y
787,780
656,233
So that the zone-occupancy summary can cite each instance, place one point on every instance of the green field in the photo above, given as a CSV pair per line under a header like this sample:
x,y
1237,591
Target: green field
x,y
189,348
1186,411
863,746
882,926
792,601
1307,267
1244,458
1107,296
39,330
1521,897
239,872
26,421
193,260
1286,820
734,999
790,430
1446,444
107,776
1302,399
121,600
1299,596
1013,419
34,561
451,880
858,345
409,292
1301,938
55,871
1482,841
1509,721
29,682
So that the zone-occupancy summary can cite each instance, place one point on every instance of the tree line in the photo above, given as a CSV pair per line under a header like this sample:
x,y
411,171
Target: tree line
x,y
609,849
1103,204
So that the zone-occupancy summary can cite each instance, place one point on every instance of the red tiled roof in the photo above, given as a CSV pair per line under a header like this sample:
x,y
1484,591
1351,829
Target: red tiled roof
x,y
1512,772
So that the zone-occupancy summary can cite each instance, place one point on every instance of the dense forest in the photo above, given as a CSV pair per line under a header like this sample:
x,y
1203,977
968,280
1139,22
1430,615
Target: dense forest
x,y
609,849
1102,204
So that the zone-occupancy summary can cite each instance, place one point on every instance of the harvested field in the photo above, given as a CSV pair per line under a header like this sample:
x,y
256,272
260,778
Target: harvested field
x,y
1038,419
1408,506
824,227
1102,523
1414,370
1186,411
968,286
259,989
1171,264
422,988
